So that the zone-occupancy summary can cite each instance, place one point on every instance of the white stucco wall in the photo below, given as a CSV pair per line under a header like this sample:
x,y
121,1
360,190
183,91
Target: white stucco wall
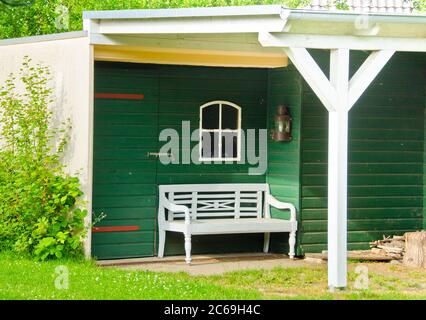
x,y
71,64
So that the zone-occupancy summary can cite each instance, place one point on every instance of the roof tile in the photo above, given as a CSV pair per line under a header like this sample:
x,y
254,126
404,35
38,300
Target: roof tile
x,y
380,6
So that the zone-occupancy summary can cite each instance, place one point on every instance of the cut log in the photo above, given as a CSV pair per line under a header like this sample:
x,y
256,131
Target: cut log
x,y
391,249
415,249
378,251
354,254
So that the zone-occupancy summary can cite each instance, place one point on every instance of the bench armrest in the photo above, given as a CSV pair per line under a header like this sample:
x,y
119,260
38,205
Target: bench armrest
x,y
176,208
271,200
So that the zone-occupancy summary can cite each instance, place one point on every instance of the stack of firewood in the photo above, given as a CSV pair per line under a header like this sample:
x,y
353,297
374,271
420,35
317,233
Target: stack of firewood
x,y
408,250
393,247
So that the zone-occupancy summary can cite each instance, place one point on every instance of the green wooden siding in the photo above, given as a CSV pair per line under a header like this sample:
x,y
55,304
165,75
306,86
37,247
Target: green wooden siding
x,y
126,180
423,67
386,138
387,154
284,88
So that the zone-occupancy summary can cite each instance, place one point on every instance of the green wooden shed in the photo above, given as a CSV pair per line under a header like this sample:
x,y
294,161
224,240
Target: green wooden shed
x,y
354,86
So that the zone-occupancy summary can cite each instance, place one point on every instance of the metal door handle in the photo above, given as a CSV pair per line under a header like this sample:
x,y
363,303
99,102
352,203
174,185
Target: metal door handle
x,y
161,154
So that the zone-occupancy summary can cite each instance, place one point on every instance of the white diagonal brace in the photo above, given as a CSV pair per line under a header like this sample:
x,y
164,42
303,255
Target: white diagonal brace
x,y
366,74
313,75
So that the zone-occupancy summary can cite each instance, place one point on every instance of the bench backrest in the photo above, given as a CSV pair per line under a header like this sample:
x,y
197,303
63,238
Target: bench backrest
x,y
228,200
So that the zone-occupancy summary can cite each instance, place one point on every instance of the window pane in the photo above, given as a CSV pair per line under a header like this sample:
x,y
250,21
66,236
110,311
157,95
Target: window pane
x,y
211,117
229,144
210,145
229,117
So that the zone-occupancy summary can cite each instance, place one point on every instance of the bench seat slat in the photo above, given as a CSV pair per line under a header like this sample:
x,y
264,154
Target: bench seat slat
x,y
202,200
188,196
230,226
217,214
220,187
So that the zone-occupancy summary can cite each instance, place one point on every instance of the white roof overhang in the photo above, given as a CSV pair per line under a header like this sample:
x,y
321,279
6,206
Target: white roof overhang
x,y
189,20
355,31
275,25
194,36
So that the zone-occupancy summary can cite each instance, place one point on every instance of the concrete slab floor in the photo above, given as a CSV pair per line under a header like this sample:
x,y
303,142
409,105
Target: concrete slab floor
x,y
207,264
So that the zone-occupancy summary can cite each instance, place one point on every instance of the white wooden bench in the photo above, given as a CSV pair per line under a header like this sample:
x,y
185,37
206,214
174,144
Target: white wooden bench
x,y
200,209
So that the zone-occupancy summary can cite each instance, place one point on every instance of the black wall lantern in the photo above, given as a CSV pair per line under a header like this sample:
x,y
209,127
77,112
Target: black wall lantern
x,y
282,120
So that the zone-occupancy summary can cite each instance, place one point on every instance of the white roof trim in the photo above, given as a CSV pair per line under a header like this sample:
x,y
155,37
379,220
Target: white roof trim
x,y
343,15
253,19
42,38
254,10
185,12
242,19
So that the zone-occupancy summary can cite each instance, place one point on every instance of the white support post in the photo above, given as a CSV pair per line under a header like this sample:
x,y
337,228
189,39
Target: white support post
x,y
337,170
337,198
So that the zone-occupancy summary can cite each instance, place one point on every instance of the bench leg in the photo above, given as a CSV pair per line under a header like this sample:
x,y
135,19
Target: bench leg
x,y
266,238
188,248
292,243
161,243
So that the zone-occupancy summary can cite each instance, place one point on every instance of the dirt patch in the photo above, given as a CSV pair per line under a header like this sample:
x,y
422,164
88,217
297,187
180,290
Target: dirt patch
x,y
385,281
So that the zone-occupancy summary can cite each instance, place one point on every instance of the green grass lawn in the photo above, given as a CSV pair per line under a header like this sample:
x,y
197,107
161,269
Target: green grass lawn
x,y
21,278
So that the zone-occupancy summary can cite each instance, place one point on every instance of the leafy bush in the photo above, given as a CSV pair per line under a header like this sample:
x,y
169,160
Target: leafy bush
x,y
420,5
43,16
39,207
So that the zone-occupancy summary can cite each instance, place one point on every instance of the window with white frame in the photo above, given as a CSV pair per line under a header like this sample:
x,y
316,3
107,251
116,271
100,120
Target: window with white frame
x,y
220,131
